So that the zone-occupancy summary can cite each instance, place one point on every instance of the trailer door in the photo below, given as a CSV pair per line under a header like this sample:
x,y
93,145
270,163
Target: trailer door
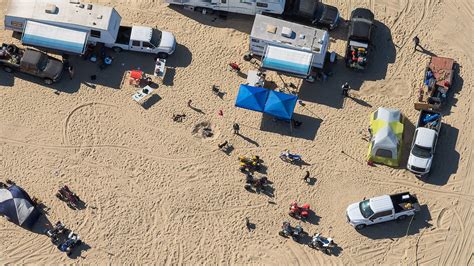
x,y
55,38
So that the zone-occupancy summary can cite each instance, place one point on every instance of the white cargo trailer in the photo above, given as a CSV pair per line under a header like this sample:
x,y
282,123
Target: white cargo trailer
x,y
287,46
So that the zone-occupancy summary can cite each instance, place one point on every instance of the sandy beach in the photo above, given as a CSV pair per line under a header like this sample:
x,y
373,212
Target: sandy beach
x,y
157,193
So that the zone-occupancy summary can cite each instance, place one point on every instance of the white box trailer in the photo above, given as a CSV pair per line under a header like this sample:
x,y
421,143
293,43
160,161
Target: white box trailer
x,y
100,22
288,47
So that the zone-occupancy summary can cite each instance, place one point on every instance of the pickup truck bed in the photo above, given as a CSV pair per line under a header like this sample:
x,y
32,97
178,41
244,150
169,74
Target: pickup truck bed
x,y
404,202
429,119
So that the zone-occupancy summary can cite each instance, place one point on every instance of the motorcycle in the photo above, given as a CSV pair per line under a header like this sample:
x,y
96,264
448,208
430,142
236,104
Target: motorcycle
x,y
56,231
71,242
288,230
288,157
299,212
71,199
321,243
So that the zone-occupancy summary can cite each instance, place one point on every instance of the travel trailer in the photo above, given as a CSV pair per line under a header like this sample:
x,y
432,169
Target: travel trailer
x,y
288,47
305,11
68,26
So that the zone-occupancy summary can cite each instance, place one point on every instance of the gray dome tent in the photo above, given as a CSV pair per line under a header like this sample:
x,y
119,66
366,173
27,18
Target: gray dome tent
x,y
17,207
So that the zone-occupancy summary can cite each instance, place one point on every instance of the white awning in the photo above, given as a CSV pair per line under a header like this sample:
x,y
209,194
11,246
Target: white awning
x,y
291,61
54,37
358,44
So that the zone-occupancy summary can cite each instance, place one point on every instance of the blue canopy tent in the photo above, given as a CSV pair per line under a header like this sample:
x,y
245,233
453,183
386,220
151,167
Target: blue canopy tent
x,y
17,207
252,98
280,105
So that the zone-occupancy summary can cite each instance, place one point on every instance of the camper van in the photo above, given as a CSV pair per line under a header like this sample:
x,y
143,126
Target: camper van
x,y
312,12
286,46
68,26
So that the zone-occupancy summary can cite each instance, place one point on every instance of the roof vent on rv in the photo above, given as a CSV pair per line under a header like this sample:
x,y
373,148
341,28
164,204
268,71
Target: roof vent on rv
x,y
100,17
81,5
271,29
51,9
286,32
74,2
89,6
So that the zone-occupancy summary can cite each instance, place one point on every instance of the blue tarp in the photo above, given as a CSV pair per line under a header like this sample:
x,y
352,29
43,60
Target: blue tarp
x,y
280,105
252,98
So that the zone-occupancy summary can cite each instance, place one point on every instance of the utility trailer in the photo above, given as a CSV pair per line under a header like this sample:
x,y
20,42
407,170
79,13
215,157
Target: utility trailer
x,y
438,79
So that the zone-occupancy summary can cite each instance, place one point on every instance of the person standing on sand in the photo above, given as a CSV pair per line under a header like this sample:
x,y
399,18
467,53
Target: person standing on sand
x,y
236,128
189,103
306,177
416,43
345,89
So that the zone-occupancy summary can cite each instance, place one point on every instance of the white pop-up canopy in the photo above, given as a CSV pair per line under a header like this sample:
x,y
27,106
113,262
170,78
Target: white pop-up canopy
x,y
54,37
291,61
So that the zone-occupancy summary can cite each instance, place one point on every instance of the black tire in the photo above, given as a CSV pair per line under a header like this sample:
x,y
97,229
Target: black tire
x,y
117,49
281,233
247,57
360,226
401,218
48,81
8,69
162,55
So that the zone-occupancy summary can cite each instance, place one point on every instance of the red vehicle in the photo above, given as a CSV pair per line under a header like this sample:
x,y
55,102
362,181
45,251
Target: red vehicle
x,y
299,212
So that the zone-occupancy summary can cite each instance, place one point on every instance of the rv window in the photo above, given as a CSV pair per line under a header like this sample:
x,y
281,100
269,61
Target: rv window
x,y
255,40
148,45
223,1
16,24
262,4
95,33
135,43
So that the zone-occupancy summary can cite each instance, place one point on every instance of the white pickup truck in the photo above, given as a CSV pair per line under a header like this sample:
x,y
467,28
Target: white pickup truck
x,y
145,40
424,143
382,209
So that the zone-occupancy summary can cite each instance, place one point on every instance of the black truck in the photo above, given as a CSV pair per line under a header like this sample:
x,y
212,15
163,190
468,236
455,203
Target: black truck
x,y
359,38
32,62
312,12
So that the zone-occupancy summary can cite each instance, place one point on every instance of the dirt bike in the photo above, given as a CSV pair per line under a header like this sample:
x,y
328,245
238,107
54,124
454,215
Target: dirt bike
x,y
288,157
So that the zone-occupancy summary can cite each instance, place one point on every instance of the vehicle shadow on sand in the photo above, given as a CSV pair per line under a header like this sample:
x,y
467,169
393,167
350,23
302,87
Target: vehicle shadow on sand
x,y
446,158
240,22
90,75
397,229
329,92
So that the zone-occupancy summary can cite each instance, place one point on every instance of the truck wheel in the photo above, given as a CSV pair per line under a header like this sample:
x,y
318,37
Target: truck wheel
x,y
162,55
117,49
401,218
247,57
8,69
360,226
48,81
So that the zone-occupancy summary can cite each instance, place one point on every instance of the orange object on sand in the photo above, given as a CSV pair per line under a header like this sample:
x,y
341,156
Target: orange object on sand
x,y
136,74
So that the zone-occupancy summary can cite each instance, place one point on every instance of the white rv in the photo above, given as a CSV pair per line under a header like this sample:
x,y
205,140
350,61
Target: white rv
x,y
288,47
68,25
